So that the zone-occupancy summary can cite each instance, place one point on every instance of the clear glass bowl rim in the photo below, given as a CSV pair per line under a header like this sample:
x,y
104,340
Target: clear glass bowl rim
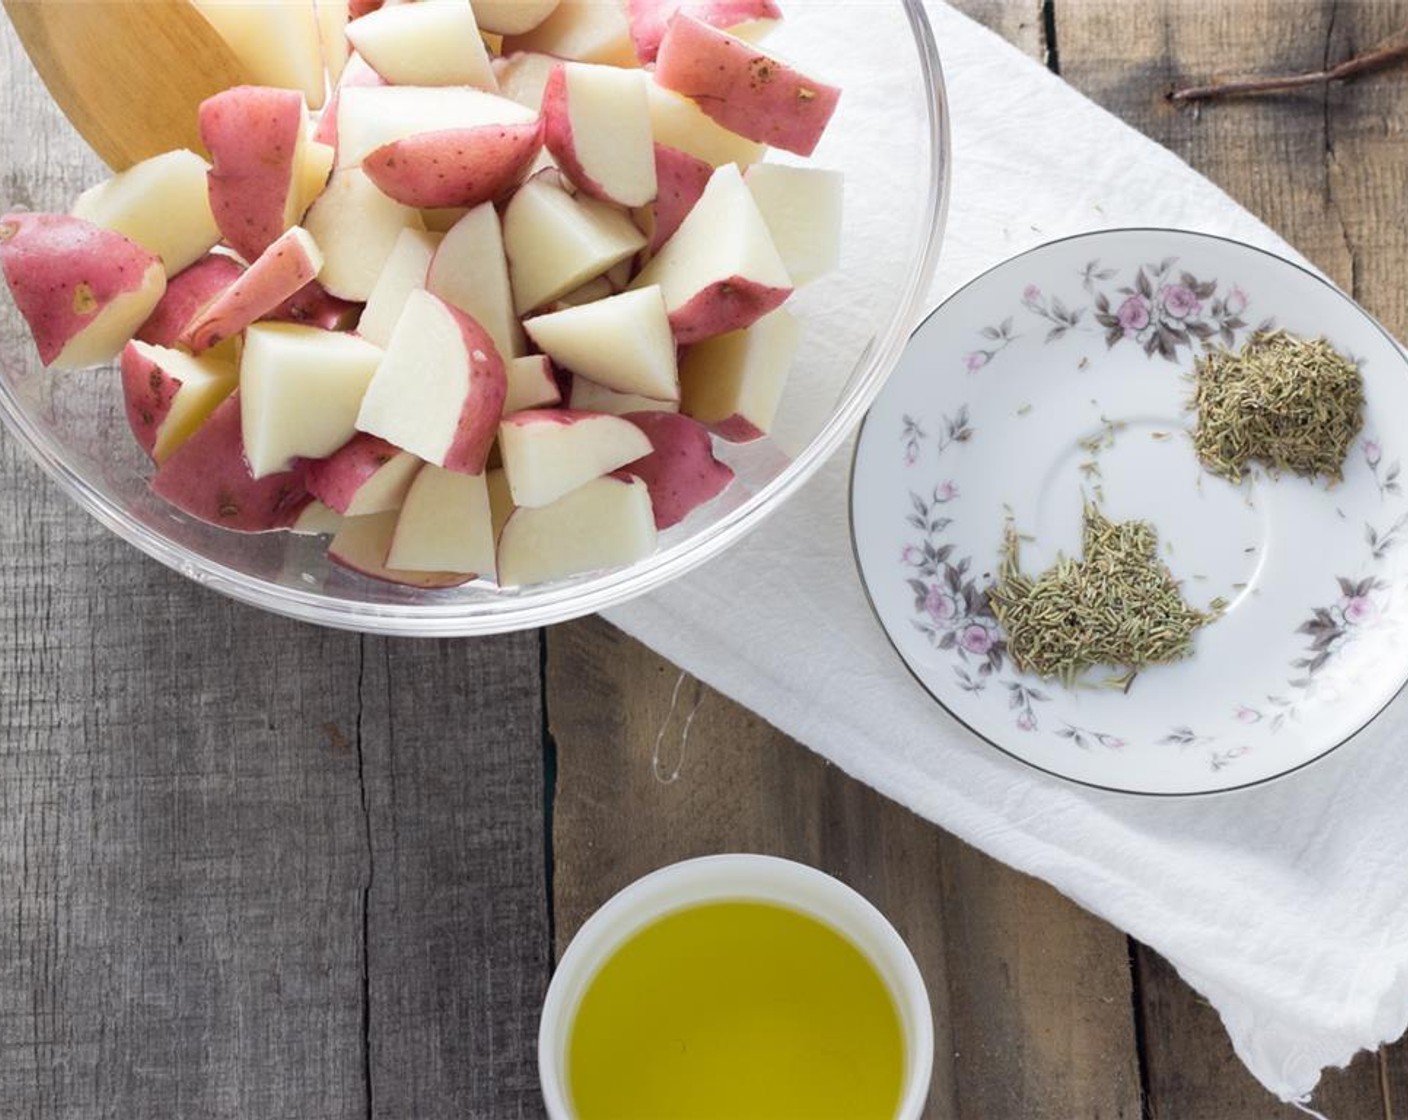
x,y
510,612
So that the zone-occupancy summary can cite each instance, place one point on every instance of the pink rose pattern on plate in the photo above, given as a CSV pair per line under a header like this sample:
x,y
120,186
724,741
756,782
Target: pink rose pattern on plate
x,y
1385,474
1163,310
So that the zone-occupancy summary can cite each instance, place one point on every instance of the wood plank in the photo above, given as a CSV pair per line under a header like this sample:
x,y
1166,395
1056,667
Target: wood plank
x,y
1031,995
458,948
1393,1077
1193,1073
248,868
180,840
1268,153
1044,995
1325,169
1021,25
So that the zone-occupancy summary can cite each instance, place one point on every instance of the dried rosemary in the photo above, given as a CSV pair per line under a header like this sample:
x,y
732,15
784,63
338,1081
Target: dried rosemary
x,y
1289,404
1117,605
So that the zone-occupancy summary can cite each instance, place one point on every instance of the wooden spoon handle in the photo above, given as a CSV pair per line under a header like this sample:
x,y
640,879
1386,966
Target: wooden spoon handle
x,y
129,76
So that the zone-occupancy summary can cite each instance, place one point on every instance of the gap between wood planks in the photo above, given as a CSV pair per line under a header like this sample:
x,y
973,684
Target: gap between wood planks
x,y
1051,53
367,1086
549,800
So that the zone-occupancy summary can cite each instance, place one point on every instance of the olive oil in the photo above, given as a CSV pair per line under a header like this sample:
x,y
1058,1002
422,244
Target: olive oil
x,y
735,1011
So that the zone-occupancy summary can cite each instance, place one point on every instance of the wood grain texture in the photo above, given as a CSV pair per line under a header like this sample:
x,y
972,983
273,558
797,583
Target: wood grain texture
x,y
1021,23
1040,996
458,950
1324,167
248,868
180,842
1031,996
1193,1074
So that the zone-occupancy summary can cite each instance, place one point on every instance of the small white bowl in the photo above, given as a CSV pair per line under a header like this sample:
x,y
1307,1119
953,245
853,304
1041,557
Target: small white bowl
x,y
737,878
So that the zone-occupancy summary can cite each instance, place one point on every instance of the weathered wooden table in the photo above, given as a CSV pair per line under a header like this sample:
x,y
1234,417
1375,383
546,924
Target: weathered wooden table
x,y
253,869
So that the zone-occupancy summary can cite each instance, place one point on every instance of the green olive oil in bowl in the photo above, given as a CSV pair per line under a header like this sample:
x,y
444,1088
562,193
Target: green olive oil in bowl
x,y
740,1009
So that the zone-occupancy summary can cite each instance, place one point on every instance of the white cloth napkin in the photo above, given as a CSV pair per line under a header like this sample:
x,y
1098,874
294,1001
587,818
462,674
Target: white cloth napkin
x,y
1286,906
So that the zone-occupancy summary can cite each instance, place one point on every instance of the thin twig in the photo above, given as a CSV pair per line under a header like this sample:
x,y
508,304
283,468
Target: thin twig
x,y
1376,59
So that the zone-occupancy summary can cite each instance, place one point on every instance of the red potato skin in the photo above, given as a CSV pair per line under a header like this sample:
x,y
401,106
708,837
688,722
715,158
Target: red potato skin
x,y
252,134
367,556
325,132
551,376
457,166
483,402
358,75
736,429
314,306
186,294
681,473
557,135
563,416
725,305
62,271
276,274
681,180
147,392
208,478
742,88
648,18
334,481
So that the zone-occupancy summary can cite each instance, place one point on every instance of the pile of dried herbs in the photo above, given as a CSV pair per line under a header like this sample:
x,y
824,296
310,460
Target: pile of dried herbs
x,y
1117,605
1289,404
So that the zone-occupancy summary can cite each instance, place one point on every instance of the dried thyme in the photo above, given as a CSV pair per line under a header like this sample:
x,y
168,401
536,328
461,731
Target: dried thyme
x,y
1286,403
1117,605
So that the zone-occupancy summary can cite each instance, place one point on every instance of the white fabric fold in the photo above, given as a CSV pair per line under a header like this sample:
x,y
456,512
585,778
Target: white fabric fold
x,y
1285,905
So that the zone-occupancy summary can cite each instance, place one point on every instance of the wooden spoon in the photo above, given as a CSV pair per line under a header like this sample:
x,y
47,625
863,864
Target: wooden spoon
x,y
129,76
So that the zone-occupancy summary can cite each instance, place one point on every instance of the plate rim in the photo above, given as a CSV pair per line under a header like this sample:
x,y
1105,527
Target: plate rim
x,y
978,278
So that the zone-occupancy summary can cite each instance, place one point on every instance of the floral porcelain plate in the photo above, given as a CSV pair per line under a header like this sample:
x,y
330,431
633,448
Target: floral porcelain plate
x,y
1063,375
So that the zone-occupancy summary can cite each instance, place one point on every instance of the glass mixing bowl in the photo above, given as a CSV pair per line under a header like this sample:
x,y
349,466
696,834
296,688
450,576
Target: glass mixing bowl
x,y
890,138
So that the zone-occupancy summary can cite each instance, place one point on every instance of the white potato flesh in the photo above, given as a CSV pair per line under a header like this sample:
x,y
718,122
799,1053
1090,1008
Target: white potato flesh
x,y
722,239
556,242
445,525
531,384
429,43
609,117
605,523
623,342
547,454
584,30
802,207
111,328
370,116
512,17
161,203
205,381
405,271
470,271
357,227
300,390
425,384
317,520
362,544
678,122
588,396
522,77
279,44
733,382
